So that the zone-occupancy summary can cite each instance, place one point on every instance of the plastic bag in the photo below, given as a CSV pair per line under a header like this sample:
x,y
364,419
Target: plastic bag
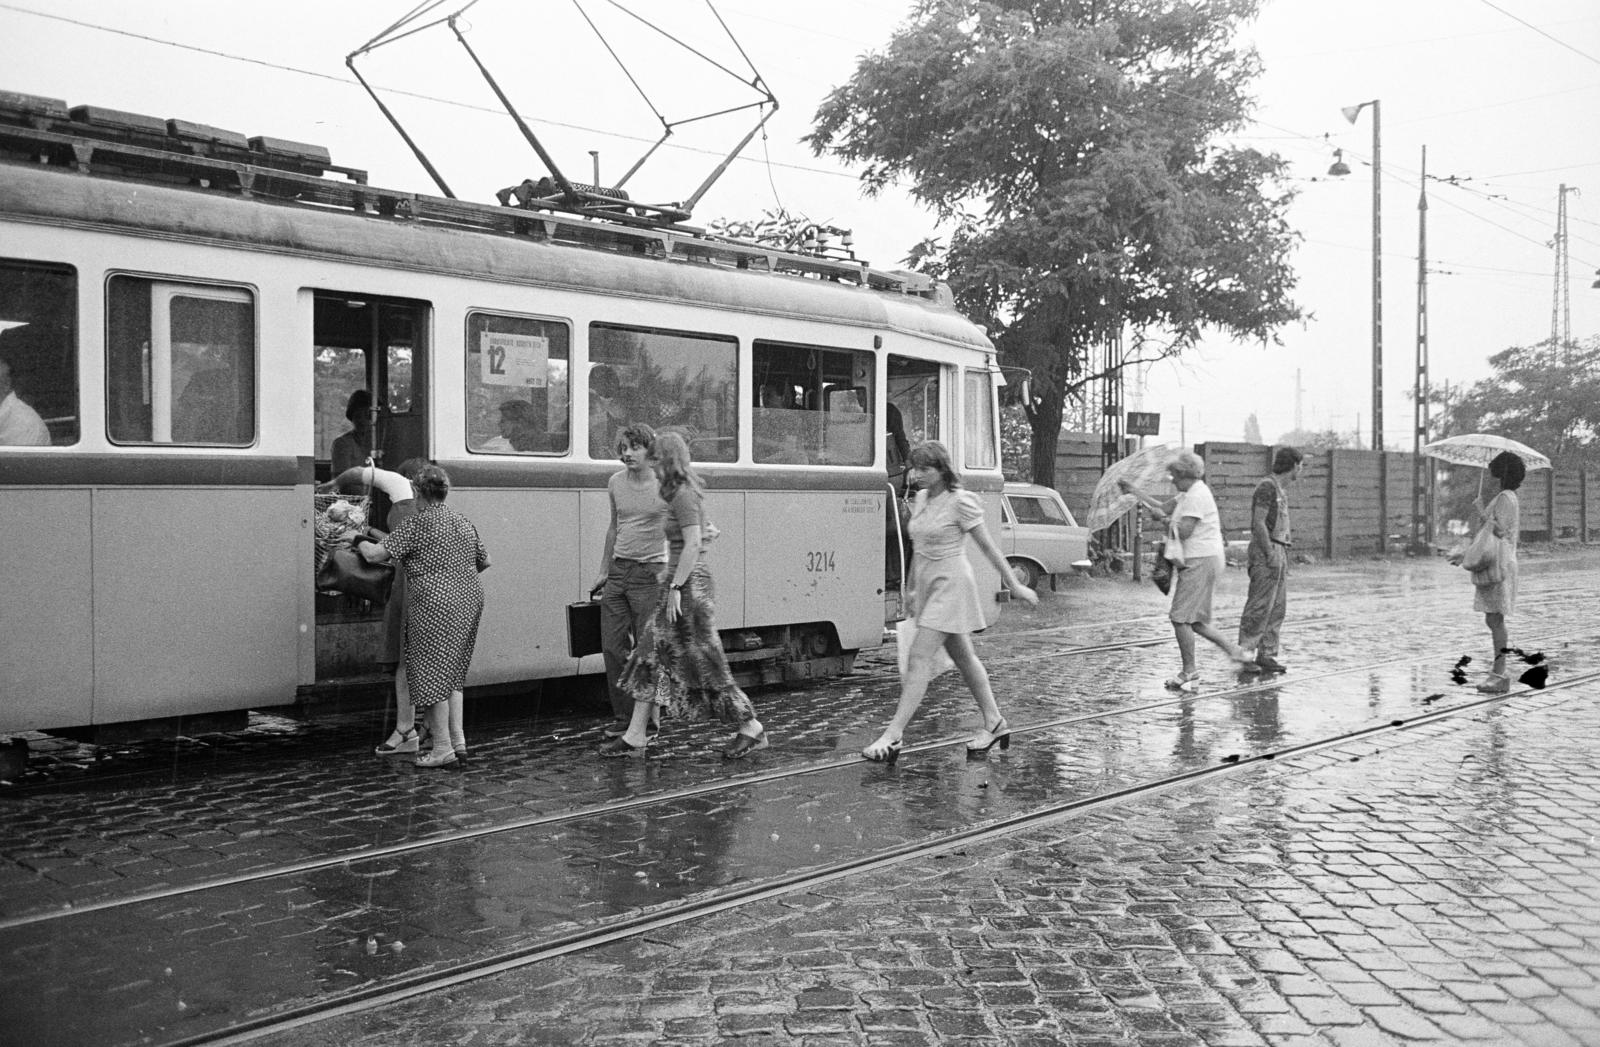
x,y
1161,569
905,631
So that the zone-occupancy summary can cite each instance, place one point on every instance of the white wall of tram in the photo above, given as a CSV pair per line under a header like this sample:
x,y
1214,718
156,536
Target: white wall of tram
x,y
83,643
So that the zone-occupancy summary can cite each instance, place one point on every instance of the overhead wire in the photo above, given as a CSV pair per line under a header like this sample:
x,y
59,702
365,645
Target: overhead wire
x,y
1289,134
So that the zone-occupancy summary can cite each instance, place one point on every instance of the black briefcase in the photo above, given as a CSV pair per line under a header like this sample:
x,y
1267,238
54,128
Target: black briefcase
x,y
583,628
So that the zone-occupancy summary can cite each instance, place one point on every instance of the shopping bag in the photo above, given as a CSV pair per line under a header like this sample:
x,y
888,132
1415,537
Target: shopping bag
x,y
905,631
1173,548
1483,553
345,571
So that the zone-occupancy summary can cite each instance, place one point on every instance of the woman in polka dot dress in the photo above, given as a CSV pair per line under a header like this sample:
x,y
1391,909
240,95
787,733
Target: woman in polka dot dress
x,y
442,556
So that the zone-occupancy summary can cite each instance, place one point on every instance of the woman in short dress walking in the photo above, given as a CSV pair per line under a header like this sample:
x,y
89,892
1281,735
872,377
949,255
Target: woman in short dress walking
x,y
945,601
442,555
677,662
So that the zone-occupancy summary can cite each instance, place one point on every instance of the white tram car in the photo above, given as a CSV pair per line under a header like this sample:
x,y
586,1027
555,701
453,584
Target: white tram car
x,y
187,311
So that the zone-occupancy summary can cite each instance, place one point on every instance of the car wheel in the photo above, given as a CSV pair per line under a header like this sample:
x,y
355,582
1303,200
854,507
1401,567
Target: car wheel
x,y
1026,572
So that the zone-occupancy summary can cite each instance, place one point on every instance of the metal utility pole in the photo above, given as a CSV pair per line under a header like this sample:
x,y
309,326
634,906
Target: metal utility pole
x,y
1561,303
1421,486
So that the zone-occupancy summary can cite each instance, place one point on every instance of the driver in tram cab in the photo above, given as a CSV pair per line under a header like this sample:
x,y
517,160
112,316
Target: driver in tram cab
x,y
20,425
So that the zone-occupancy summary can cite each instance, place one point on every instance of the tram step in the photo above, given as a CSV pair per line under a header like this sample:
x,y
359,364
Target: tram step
x,y
760,654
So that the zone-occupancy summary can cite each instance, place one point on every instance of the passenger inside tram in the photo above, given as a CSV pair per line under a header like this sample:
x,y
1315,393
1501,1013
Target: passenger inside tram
x,y
20,425
355,446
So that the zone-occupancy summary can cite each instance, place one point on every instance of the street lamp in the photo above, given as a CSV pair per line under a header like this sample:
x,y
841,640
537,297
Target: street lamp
x,y
1351,112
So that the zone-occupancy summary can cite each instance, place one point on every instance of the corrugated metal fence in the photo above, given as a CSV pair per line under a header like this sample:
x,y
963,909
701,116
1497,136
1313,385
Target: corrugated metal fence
x,y
1345,501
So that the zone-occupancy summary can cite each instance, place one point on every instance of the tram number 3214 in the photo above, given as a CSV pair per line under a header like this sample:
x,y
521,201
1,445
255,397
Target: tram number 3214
x,y
819,561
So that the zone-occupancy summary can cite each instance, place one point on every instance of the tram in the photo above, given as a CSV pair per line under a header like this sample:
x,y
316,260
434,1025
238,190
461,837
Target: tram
x,y
187,311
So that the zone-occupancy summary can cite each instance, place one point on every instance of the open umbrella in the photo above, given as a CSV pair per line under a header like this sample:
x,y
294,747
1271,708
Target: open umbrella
x,y
1479,449
1146,470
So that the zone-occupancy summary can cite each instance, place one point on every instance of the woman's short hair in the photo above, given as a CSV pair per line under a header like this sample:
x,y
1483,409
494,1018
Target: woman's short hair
x,y
432,483
412,466
931,454
1187,464
1284,459
636,434
360,403
1509,469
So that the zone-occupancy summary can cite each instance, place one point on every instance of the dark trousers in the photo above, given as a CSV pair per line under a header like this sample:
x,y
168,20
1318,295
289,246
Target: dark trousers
x,y
1264,608
629,598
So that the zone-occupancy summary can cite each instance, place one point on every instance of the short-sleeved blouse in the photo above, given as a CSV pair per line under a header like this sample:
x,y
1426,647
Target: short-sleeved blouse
x,y
1206,539
939,526
685,510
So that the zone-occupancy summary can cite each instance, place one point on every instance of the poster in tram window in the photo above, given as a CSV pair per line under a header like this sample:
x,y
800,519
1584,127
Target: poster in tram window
x,y
521,360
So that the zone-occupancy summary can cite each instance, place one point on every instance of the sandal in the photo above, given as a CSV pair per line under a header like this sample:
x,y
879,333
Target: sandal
x,y
1187,682
985,739
622,747
399,742
432,759
882,751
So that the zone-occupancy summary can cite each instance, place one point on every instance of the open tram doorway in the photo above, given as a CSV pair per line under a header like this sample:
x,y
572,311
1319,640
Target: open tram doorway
x,y
370,390
913,414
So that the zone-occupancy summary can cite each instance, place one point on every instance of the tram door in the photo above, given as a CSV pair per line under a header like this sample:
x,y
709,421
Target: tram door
x,y
370,368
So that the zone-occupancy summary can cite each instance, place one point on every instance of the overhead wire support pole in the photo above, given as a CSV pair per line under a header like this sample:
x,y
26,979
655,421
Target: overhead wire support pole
x,y
527,132
1421,491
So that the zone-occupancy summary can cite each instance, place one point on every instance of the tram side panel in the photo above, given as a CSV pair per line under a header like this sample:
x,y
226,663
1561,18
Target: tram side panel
x,y
46,660
817,556
181,627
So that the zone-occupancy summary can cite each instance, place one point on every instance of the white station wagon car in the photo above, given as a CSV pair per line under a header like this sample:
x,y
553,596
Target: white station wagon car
x,y
1038,535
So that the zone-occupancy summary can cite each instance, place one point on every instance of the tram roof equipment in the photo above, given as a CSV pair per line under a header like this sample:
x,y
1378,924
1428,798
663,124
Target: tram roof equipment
x,y
110,143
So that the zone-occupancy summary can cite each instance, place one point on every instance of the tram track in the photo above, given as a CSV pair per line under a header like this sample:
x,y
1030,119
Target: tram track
x,y
621,917
671,915
723,785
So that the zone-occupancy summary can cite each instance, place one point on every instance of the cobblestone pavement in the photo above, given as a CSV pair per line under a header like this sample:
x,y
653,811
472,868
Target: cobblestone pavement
x,y
1441,885
1100,722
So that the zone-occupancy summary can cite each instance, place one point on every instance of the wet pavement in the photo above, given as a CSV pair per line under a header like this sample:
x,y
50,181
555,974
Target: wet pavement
x,y
1437,881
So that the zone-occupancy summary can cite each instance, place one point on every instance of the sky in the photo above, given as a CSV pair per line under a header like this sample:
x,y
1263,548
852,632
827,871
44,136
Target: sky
x,y
1504,94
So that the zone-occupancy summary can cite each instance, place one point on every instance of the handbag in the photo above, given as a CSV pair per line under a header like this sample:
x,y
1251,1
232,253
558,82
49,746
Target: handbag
x,y
345,571
583,628
1484,557
1161,570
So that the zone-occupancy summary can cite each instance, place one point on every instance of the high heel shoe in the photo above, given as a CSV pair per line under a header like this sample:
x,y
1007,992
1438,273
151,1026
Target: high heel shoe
x,y
985,739
399,742
882,751
432,759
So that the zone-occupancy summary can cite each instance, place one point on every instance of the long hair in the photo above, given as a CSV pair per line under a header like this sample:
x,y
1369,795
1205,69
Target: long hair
x,y
931,454
673,465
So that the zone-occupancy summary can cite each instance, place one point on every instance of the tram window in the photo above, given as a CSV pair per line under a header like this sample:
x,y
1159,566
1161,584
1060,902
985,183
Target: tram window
x,y
813,406
518,396
667,380
978,421
38,354
914,387
181,363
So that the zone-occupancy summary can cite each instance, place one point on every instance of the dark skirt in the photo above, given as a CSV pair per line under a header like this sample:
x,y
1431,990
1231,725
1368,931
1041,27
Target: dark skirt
x,y
680,665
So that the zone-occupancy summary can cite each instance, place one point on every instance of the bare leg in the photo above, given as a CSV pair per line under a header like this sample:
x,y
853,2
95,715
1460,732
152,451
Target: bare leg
x,y
1206,630
1185,635
458,734
638,732
959,646
405,718
919,673
1497,631
438,716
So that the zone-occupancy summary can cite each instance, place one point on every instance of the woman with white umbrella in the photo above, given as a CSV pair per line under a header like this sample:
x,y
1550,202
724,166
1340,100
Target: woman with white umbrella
x,y
1495,591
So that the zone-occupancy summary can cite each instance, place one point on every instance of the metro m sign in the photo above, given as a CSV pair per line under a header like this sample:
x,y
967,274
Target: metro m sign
x,y
1144,423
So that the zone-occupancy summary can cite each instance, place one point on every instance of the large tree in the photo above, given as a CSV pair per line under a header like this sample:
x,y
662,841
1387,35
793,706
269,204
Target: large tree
x,y
1546,398
1071,147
